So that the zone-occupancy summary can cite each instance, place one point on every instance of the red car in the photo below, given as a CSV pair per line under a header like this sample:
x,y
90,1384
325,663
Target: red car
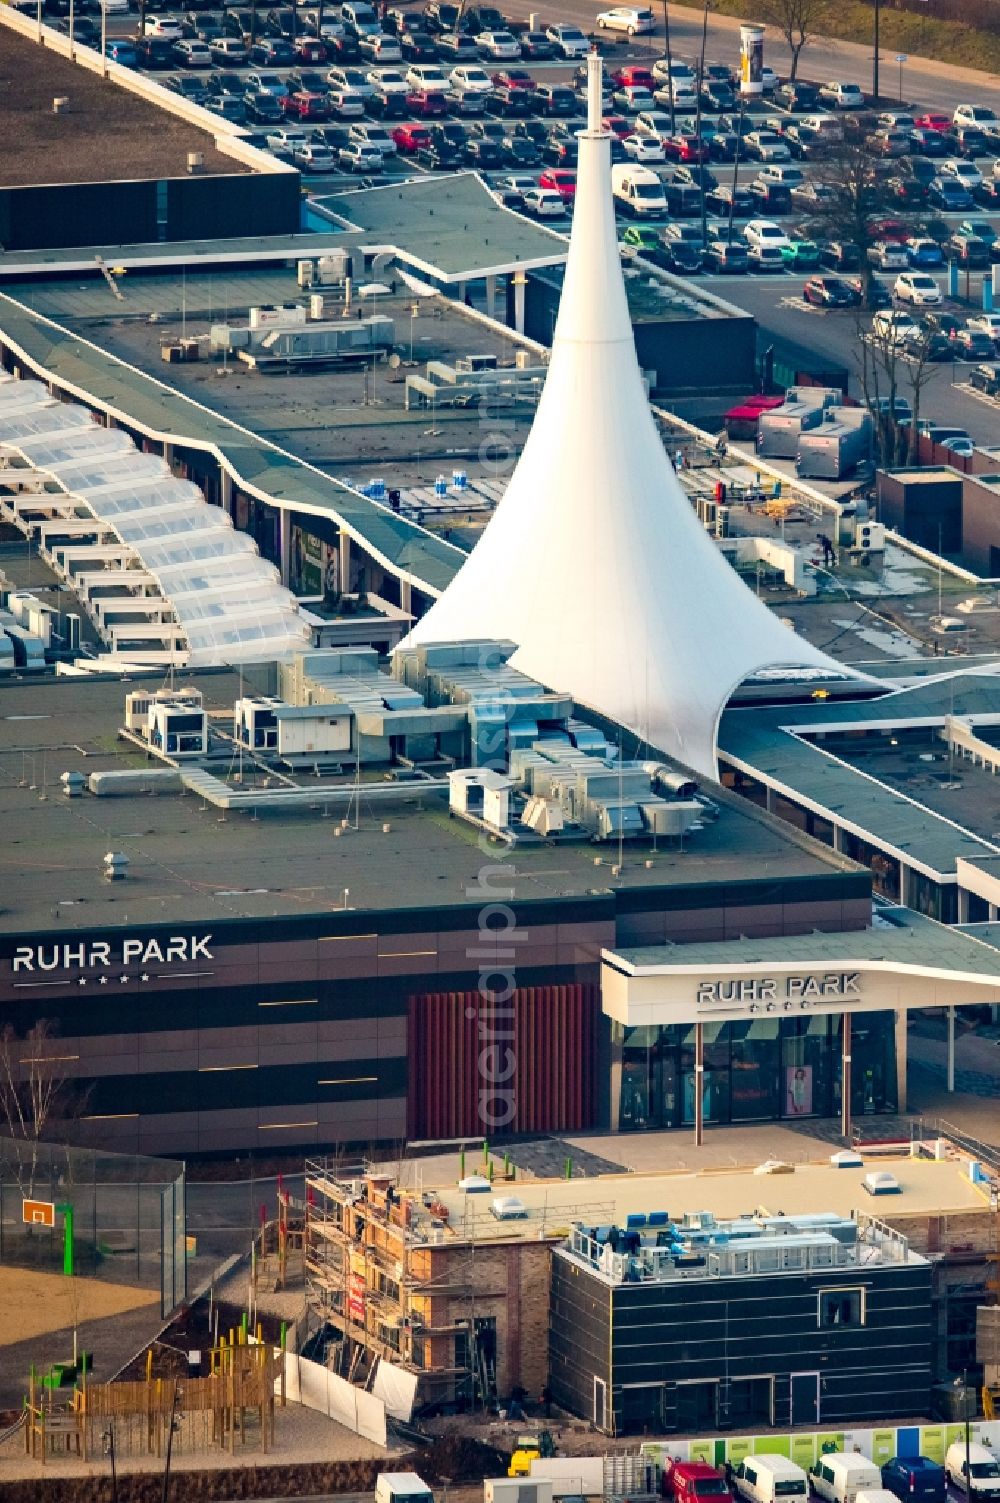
x,y
685,149
933,121
310,50
562,179
306,106
634,77
423,102
889,229
410,137
618,125
514,78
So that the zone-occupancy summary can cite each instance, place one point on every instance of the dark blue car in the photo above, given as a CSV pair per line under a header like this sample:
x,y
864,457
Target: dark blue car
x,y
915,1477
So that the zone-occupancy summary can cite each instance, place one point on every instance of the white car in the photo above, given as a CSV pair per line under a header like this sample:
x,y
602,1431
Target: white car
x,y
357,156
380,48
626,18
684,98
918,288
285,139
314,158
985,323
966,173
373,135
347,104
113,7
387,80
894,120
429,76
765,232
569,41
654,123
501,46
680,72
468,76
643,148
843,96
229,51
979,115
163,26
892,325
545,202
768,79
192,54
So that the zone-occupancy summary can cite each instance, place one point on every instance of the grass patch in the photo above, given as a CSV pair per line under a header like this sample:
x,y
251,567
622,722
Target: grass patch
x,y
899,31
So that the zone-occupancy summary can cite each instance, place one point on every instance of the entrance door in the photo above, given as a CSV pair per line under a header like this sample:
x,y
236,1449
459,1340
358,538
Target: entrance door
x,y
805,1398
600,1404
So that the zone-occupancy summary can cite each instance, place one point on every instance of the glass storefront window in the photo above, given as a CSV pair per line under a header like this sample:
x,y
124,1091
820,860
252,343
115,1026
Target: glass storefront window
x,y
755,1070
754,1078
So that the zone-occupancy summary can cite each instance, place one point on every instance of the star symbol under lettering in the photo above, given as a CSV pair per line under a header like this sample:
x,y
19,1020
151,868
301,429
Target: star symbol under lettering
x,y
144,976
123,979
82,981
104,981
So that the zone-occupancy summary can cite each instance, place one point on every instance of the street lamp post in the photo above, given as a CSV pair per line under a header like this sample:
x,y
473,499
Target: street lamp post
x,y
670,82
878,4
901,58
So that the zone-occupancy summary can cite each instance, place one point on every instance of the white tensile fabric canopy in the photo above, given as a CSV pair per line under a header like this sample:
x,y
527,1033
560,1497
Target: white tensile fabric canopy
x,y
595,563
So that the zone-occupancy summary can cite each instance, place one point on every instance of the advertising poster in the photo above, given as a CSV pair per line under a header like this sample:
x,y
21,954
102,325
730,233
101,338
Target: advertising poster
x,y
953,1433
883,1446
738,1449
703,1450
772,1445
932,1443
829,1441
798,1091
804,1451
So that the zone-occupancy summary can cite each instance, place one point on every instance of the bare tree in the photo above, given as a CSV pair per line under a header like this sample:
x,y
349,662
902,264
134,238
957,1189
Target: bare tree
x,y
34,1093
894,370
795,19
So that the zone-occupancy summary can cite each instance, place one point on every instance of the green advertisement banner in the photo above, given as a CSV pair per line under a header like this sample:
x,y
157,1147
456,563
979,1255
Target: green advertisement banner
x,y
803,1450
738,1449
829,1441
883,1446
772,1445
932,1443
702,1450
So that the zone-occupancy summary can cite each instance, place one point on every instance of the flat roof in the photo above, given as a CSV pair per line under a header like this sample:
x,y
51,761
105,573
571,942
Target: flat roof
x,y
450,227
760,739
186,861
100,379
926,1188
105,133
898,937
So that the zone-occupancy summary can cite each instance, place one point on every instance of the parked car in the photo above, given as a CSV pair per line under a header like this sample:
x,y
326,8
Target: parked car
x,y
726,257
306,106
123,52
569,41
924,254
916,288
261,107
544,203
888,255
766,146
830,292
972,345
536,47
633,20
843,96
950,195
986,323
358,156
980,1478
410,138
968,251
986,378
500,46
454,47
796,95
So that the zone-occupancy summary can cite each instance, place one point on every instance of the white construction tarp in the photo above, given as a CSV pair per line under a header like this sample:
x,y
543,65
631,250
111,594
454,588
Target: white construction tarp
x,y
396,1388
315,1387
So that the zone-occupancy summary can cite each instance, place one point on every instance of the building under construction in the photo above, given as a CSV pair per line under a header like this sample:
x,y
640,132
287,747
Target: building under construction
x,y
461,1304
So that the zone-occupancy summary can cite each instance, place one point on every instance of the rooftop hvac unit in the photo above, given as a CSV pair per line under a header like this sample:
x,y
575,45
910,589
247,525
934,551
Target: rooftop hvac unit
x,y
543,815
305,273
323,306
870,537
283,316
332,268
524,360
472,363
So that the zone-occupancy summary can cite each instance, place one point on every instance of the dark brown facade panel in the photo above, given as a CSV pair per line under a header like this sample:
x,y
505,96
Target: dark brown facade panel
x,y
478,1066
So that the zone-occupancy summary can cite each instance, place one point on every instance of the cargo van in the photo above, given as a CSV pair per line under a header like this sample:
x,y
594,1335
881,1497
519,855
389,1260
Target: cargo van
x,y
639,189
826,127
401,1487
839,1476
915,1477
766,1479
983,1479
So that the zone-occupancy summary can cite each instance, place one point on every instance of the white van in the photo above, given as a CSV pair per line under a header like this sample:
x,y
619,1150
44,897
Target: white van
x,y
839,1476
639,189
827,127
766,1479
984,1470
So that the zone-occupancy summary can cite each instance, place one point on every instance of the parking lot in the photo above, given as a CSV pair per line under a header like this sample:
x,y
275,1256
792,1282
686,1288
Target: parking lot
x,y
507,102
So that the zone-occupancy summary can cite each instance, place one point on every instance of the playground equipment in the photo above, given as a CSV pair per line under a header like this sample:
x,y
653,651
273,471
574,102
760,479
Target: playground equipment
x,y
235,1399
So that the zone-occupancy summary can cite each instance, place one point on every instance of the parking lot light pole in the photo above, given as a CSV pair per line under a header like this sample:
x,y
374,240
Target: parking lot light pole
x,y
670,82
878,5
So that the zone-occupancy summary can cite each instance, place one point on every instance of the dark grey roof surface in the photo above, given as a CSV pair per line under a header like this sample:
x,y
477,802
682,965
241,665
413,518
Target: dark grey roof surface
x,y
904,938
450,225
760,739
187,859
277,476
